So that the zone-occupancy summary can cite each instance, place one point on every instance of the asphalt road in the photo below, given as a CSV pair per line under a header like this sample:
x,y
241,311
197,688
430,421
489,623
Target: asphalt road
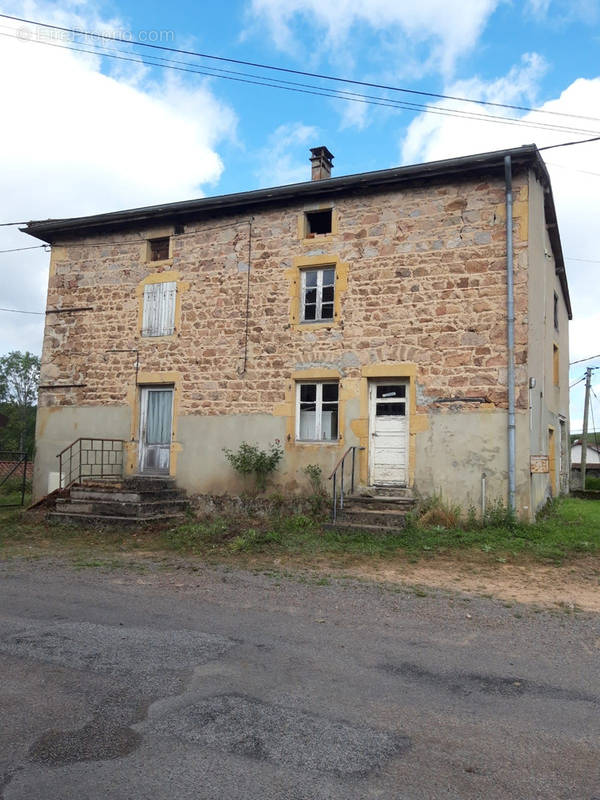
x,y
177,684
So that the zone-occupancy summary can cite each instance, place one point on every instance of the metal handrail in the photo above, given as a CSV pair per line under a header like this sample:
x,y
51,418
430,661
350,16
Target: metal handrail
x,y
340,467
81,465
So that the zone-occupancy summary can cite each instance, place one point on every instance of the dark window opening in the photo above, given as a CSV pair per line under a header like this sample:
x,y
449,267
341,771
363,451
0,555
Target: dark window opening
x,y
391,391
159,249
318,222
390,410
555,311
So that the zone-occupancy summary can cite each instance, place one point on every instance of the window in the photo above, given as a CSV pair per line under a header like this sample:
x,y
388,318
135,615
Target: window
x,y
555,364
318,222
390,401
158,317
158,249
317,412
555,311
318,288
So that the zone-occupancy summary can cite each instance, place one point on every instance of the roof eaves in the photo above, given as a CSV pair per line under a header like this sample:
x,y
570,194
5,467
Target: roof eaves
x,y
49,230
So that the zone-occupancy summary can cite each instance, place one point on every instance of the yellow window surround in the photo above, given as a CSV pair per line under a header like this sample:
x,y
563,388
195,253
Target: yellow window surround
x,y
161,277
313,240
294,277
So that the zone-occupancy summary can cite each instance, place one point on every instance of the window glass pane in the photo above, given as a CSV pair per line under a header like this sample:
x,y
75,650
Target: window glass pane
x,y
327,311
158,422
310,312
308,421
310,296
328,277
390,409
328,294
329,423
308,392
311,277
399,390
330,392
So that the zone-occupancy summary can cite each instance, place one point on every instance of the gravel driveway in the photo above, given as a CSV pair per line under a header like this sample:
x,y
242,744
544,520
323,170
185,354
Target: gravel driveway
x,y
219,683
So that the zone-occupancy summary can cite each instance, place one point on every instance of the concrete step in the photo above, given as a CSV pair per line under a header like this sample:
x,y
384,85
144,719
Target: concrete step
x,y
386,491
119,494
148,483
378,502
383,518
109,507
111,519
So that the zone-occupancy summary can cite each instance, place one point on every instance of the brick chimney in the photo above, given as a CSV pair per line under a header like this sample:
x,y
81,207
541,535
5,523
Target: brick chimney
x,y
321,162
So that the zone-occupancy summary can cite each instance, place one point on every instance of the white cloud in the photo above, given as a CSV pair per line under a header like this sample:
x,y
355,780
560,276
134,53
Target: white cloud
x,y
77,141
576,193
284,159
450,27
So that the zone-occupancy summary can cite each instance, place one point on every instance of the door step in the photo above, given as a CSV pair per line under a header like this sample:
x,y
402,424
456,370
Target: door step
x,y
375,511
133,500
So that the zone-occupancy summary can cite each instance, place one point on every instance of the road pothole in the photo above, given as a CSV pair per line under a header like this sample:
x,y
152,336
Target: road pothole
x,y
286,736
96,741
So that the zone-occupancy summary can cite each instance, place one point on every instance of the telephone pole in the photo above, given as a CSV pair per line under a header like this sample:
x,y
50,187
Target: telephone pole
x,y
584,433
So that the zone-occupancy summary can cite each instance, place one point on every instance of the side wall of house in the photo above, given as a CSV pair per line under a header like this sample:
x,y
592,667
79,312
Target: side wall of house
x,y
548,363
420,297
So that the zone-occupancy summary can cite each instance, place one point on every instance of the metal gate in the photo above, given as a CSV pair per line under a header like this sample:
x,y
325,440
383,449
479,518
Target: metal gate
x,y
15,482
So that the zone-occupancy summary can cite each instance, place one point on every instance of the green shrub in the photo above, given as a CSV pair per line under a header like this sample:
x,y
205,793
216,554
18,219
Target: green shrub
x,y
318,498
592,482
249,459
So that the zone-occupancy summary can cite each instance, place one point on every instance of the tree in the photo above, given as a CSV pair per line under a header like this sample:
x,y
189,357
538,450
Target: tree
x,y
19,378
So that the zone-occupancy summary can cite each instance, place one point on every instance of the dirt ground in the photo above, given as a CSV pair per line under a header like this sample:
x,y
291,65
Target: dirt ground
x,y
573,586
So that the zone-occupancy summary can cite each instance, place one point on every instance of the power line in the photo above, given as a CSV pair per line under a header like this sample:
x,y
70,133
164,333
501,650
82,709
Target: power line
x,y
321,76
18,311
576,382
6,224
311,89
584,260
568,144
581,360
17,249
573,169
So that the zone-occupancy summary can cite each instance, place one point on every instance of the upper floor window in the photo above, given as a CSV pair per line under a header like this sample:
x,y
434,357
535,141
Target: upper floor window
x,y
555,365
555,311
317,411
158,317
318,222
158,249
317,298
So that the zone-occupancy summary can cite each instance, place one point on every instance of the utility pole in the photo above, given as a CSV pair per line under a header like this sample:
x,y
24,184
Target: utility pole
x,y
584,433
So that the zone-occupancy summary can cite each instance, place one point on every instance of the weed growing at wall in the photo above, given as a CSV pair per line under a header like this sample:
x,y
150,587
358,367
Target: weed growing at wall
x,y
249,459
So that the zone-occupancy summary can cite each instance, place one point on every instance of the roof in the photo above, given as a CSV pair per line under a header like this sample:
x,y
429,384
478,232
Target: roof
x,y
526,156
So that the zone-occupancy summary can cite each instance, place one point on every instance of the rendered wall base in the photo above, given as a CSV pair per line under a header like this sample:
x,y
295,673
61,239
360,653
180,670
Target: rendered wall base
x,y
450,455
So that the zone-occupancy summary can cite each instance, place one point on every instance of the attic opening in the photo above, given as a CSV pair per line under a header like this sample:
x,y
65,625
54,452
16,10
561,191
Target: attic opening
x,y
318,222
158,249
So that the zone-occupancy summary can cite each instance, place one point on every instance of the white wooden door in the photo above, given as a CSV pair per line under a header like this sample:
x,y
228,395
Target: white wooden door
x,y
388,433
156,422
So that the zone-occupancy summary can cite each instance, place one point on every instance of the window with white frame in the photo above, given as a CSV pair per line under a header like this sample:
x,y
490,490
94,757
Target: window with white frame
x,y
317,411
158,317
318,290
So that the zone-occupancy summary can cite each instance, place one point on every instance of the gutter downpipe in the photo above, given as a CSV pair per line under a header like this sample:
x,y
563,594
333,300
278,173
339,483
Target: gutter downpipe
x,y
510,319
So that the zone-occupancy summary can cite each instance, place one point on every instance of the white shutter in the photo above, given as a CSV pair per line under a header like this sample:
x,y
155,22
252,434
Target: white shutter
x,y
158,317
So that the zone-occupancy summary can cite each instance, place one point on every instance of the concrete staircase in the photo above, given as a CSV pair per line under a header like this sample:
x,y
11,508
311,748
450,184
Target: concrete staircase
x,y
378,509
133,500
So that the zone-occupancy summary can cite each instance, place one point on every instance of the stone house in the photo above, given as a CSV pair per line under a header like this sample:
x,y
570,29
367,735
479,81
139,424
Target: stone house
x,y
367,310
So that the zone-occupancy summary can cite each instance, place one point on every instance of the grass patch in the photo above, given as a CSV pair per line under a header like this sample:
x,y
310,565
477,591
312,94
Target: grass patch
x,y
567,528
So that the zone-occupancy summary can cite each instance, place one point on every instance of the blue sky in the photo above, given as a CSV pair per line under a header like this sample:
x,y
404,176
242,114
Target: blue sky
x,y
84,129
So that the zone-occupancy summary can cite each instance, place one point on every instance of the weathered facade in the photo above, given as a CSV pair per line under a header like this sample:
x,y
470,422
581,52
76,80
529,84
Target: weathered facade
x,y
401,284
